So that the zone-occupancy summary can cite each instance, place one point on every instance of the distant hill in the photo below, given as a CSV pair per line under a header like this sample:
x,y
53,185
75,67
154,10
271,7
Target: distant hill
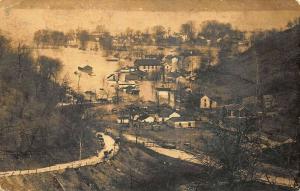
x,y
158,5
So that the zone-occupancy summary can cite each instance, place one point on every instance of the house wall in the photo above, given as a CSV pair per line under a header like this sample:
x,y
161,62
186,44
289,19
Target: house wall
x,y
149,120
213,104
123,121
207,103
204,102
164,119
184,124
236,113
173,115
150,68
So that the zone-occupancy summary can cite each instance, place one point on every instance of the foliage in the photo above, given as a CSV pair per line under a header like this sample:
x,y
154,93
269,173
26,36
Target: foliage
x,y
217,32
189,30
49,38
293,23
236,154
159,34
106,41
30,120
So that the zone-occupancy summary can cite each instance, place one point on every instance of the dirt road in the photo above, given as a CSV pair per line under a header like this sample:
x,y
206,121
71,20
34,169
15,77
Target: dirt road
x,y
93,160
206,160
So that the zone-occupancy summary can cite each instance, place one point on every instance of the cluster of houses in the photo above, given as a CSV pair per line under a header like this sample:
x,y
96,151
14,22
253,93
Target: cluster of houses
x,y
153,113
167,71
172,77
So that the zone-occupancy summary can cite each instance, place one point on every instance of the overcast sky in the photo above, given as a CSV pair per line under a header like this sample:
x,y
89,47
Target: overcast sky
x,y
158,5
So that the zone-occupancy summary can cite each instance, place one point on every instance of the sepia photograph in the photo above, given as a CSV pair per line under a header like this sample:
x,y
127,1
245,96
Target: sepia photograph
x,y
149,95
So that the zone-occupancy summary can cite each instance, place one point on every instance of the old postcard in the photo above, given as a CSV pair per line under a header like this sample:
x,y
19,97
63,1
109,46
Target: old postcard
x,y
149,95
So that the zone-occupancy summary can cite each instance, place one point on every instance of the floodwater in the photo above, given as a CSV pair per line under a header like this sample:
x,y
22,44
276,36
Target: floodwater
x,y
72,58
147,90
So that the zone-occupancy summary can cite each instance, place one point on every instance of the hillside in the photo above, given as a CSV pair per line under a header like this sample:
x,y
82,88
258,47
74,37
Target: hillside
x,y
33,130
278,61
276,57
157,5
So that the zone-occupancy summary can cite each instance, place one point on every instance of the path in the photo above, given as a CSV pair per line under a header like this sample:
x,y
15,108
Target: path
x,y
174,153
203,159
109,145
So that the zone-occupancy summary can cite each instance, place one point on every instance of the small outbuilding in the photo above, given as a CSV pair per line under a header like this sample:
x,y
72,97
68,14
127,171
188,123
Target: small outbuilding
x,y
182,122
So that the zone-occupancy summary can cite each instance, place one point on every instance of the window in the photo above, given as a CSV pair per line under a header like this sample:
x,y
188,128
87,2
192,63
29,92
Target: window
x,y
180,125
144,67
189,124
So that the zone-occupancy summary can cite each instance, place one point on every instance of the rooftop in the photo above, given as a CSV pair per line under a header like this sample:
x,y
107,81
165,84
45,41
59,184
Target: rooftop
x,y
166,112
182,119
163,89
235,107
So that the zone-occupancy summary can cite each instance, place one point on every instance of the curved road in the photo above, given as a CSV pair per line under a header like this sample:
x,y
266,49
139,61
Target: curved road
x,y
109,146
206,160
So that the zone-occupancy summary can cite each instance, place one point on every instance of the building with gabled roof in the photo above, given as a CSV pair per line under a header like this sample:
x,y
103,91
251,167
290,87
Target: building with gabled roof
x,y
166,113
235,111
148,65
182,122
208,102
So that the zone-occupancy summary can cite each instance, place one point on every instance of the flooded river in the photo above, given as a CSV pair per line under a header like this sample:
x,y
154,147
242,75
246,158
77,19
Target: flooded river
x,y
73,58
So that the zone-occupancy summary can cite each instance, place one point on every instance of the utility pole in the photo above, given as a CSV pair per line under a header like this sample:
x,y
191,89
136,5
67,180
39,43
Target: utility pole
x,y
80,139
80,148
258,101
78,74
136,132
117,88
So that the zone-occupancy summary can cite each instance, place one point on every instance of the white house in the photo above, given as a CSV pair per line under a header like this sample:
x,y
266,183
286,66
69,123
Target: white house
x,y
167,114
207,102
171,63
182,122
149,119
148,65
123,120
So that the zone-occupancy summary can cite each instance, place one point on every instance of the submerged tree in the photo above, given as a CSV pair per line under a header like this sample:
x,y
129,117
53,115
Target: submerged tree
x,y
158,33
83,37
189,30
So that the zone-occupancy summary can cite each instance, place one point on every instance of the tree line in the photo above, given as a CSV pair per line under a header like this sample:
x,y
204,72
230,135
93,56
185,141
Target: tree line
x,y
212,32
